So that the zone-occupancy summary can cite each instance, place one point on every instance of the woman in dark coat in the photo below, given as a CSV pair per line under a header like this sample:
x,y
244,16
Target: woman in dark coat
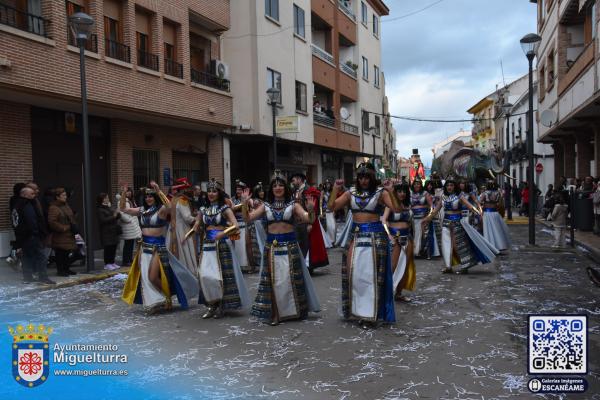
x,y
109,230
63,226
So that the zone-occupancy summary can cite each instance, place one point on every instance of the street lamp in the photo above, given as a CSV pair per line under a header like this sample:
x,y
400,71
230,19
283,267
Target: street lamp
x,y
81,26
396,163
530,44
274,97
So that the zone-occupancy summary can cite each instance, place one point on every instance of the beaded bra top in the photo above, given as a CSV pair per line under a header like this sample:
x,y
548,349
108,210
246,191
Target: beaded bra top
x,y
150,219
490,196
403,216
418,199
366,202
213,215
451,202
280,211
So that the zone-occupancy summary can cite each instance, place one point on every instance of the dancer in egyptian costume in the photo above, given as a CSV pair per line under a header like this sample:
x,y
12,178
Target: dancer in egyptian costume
x,y
468,217
256,231
241,246
432,231
330,224
156,274
494,227
317,255
397,225
421,203
459,247
367,282
285,289
182,220
219,274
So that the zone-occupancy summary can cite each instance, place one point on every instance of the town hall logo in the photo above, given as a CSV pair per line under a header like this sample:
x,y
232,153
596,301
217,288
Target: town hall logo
x,y
30,354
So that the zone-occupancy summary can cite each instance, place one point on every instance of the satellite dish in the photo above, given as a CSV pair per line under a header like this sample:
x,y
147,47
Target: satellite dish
x,y
344,113
548,118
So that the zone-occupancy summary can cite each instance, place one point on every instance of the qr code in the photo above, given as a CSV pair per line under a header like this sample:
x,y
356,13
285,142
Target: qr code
x,y
557,344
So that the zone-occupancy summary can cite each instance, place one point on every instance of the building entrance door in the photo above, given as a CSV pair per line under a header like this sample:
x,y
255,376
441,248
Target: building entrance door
x,y
57,152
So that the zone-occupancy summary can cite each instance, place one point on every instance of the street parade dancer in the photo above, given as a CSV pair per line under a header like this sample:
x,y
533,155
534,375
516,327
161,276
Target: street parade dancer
x,y
155,274
256,231
421,203
219,273
285,289
241,246
367,282
298,182
182,221
397,225
329,215
458,247
432,230
472,232
317,255
494,227
469,190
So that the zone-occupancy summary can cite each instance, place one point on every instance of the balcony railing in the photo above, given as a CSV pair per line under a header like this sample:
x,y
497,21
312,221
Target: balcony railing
x,y
345,5
322,54
173,68
322,119
349,128
349,70
147,60
117,50
90,45
22,20
206,79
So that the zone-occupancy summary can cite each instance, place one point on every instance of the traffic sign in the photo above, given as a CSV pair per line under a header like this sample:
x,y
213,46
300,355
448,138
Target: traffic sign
x,y
539,168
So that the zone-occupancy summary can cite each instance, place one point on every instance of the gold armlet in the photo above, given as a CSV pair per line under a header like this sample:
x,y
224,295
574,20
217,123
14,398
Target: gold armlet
x,y
245,212
332,198
311,216
164,199
237,207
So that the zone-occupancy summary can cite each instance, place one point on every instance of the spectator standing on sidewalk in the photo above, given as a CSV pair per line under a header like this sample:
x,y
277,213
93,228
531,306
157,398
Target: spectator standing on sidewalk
x,y
109,230
130,226
30,232
596,203
524,200
559,220
63,226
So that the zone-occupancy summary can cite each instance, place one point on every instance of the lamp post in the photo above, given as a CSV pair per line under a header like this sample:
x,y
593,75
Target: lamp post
x,y
530,44
274,94
396,164
81,27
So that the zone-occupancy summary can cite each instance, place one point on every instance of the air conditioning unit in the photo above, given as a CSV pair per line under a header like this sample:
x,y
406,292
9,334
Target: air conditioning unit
x,y
220,69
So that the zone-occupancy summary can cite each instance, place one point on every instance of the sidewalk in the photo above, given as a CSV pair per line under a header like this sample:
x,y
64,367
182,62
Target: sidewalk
x,y
587,241
13,286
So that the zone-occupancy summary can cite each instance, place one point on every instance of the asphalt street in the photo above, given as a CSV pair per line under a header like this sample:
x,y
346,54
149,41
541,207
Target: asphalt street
x,y
461,337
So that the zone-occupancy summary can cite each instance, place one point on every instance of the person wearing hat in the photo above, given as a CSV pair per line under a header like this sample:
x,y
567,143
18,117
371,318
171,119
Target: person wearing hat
x,y
494,227
155,274
182,220
242,247
317,255
221,283
367,281
285,288
256,230
458,248
298,182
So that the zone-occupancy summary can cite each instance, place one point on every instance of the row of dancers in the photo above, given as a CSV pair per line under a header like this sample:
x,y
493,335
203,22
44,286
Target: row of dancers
x,y
386,226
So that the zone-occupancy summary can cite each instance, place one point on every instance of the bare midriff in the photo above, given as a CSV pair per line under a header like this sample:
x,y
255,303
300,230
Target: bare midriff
x,y
279,228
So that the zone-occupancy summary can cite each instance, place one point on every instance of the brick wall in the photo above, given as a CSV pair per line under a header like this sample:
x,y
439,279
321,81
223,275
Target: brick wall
x,y
15,153
50,68
127,136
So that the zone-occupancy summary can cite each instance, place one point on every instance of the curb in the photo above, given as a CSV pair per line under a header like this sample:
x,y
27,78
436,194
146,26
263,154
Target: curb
x,y
592,253
75,282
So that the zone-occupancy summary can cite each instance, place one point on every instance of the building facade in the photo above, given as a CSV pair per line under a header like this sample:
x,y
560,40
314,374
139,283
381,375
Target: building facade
x,y
327,65
157,110
463,136
568,74
484,129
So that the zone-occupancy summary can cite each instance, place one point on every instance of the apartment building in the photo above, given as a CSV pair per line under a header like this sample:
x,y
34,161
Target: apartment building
x,y
568,74
325,58
484,130
157,108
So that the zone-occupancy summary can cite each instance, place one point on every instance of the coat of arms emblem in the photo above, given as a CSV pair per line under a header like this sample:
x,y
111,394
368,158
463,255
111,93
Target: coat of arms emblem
x,y
30,354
